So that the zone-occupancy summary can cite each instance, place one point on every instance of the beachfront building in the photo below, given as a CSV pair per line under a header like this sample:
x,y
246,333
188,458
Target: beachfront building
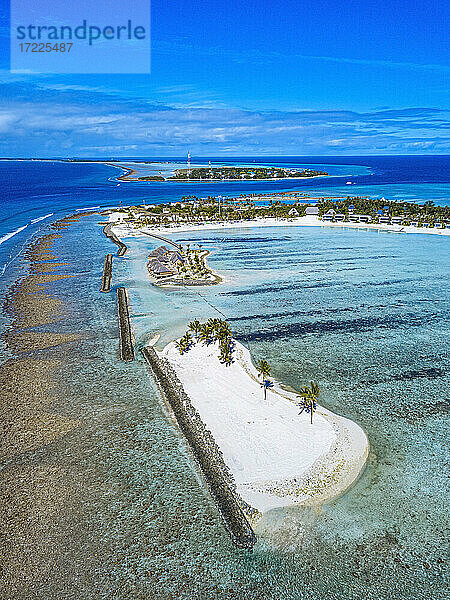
x,y
359,218
175,258
365,218
160,269
159,252
293,212
312,211
397,220
383,219
329,215
164,263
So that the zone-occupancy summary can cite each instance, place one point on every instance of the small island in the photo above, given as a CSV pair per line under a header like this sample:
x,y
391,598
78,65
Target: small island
x,y
180,266
225,173
203,173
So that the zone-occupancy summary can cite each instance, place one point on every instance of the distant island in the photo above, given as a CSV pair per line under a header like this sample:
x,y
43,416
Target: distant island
x,y
222,173
240,173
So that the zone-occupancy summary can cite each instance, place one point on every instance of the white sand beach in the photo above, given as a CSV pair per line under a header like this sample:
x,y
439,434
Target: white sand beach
x,y
124,230
276,456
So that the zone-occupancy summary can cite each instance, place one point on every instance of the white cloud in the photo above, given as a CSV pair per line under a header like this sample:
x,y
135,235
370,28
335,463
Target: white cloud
x,y
142,129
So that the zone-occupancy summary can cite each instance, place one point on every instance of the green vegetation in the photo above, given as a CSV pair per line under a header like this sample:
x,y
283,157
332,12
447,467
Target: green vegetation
x,y
194,210
185,265
263,369
409,211
228,173
214,330
151,178
309,397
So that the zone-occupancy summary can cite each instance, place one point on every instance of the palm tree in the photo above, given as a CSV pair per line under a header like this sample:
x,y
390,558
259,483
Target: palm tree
x,y
194,326
266,384
224,330
263,369
213,324
309,396
226,355
183,344
206,334
186,340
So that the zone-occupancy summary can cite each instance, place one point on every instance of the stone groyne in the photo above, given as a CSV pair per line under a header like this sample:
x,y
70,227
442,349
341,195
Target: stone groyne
x,y
107,274
113,237
218,476
126,342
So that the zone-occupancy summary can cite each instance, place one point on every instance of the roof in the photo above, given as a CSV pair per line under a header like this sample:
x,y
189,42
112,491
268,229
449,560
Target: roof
x,y
159,252
312,210
330,212
158,267
175,258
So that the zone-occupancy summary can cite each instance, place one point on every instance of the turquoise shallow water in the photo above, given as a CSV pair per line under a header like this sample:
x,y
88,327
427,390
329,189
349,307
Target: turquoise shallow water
x,y
366,314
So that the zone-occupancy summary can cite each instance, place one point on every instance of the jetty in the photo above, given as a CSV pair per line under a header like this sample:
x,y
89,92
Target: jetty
x,y
107,274
208,455
113,237
126,341
160,237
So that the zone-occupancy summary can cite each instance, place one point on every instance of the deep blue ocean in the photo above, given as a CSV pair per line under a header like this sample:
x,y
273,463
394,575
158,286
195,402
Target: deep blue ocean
x,y
366,313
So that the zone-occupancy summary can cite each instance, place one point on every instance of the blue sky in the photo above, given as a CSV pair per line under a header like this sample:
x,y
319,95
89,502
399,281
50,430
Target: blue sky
x,y
232,78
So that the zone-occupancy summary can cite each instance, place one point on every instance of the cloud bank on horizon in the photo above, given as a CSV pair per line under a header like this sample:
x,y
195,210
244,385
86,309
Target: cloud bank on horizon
x,y
64,120
257,78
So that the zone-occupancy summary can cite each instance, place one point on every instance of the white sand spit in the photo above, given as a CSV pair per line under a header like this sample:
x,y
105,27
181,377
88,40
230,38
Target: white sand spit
x,y
276,456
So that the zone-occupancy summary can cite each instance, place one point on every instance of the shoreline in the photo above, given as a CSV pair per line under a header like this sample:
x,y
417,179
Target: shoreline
x,y
308,221
129,172
214,277
211,277
329,455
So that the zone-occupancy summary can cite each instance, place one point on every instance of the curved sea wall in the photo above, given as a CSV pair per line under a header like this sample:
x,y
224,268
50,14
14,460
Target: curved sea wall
x,y
113,237
208,454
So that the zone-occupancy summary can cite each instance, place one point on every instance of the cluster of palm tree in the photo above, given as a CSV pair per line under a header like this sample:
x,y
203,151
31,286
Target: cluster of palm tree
x,y
263,369
214,330
309,397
